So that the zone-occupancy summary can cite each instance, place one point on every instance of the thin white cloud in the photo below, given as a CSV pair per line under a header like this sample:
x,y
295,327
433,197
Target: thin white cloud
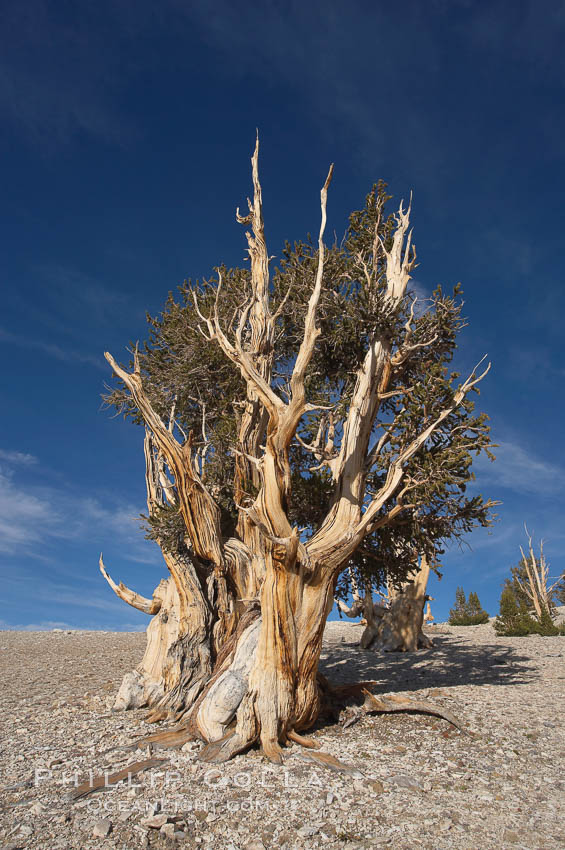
x,y
520,470
43,626
50,625
18,458
73,291
64,595
24,517
33,516
52,349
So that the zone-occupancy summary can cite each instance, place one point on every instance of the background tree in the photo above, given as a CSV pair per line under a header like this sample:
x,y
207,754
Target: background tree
x,y
396,623
300,424
476,612
459,612
560,591
513,618
528,600
467,612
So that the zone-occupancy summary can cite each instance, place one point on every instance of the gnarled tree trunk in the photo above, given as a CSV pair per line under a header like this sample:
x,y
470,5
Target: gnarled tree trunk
x,y
236,649
186,628
394,626
400,627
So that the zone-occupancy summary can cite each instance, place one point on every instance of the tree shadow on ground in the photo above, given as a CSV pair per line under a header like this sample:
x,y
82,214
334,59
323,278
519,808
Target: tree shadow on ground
x,y
451,661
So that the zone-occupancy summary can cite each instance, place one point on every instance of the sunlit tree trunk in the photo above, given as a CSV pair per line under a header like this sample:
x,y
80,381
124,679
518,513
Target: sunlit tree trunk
x,y
238,654
400,627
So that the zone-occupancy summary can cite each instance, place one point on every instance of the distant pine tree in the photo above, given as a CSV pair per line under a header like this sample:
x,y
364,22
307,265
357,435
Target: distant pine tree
x,y
458,613
515,620
467,613
476,613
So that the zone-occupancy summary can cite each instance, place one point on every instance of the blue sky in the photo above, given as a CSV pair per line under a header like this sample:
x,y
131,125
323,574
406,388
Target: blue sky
x,y
126,134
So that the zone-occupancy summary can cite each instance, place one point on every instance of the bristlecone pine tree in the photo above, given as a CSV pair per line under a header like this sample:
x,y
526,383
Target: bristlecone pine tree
x,y
299,422
528,599
396,623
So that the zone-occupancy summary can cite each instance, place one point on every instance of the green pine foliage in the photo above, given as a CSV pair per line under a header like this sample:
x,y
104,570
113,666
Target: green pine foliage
x,y
516,619
513,619
477,614
181,367
467,612
457,614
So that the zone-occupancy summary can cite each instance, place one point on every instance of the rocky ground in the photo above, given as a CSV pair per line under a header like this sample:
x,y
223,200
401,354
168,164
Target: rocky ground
x,y
418,783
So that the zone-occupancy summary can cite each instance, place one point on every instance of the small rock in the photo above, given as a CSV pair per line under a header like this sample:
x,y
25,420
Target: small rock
x,y
135,792
102,828
307,831
37,809
404,781
168,830
26,830
155,822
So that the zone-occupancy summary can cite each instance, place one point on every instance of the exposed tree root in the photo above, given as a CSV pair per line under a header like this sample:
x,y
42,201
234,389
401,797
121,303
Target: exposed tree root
x,y
355,689
241,734
156,715
391,703
329,761
223,750
105,781
172,739
303,741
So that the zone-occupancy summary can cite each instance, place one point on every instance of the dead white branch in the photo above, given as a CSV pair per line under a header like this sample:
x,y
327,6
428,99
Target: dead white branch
x,y
148,606
200,512
537,587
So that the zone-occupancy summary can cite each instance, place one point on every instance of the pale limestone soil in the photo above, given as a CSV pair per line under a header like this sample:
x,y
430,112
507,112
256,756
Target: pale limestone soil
x,y
503,786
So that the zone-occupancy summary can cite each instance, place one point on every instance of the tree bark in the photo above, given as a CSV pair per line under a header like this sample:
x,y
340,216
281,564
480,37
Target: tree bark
x,y
399,628
268,683
235,646
180,649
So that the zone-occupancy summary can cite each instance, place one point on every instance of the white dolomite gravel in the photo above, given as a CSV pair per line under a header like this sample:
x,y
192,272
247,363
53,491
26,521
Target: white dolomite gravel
x,y
422,785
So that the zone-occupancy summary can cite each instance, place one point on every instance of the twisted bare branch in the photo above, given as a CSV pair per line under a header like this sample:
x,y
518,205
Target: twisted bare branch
x,y
148,606
200,512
